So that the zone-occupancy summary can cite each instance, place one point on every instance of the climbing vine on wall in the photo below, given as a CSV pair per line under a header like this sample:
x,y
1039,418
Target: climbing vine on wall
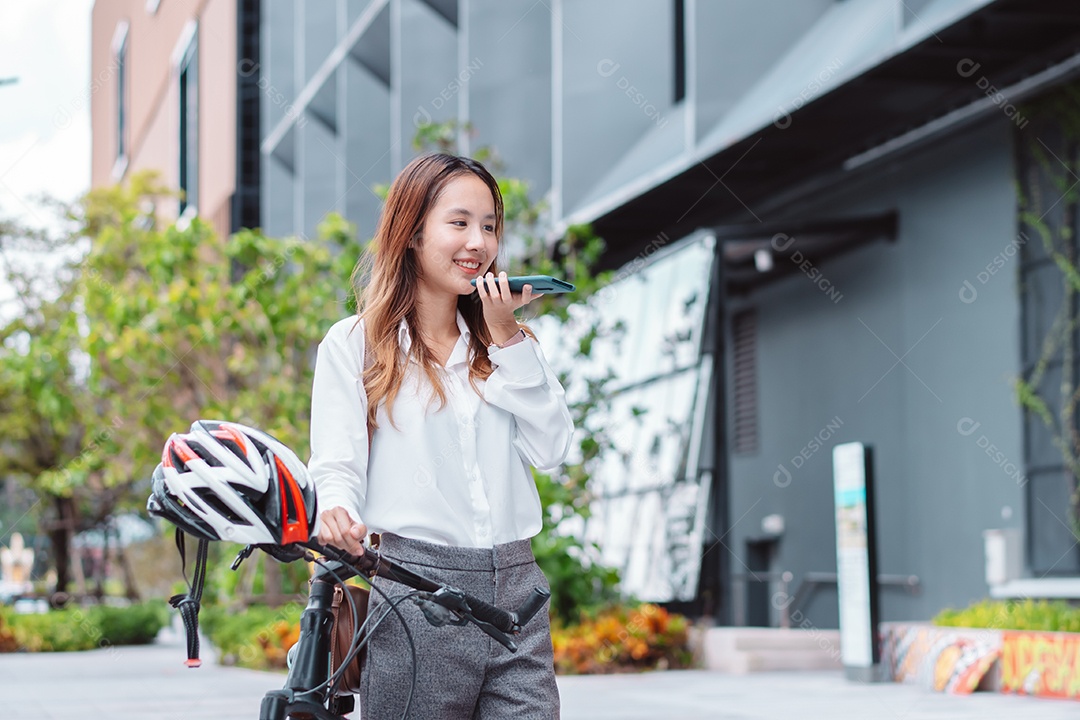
x,y
1048,190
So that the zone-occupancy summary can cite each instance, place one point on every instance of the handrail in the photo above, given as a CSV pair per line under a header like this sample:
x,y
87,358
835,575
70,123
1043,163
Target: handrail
x,y
783,577
812,580
809,583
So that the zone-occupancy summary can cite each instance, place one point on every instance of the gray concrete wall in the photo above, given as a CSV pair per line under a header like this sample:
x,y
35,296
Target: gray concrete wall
x,y
424,72
736,42
508,71
823,361
615,64
577,96
321,29
278,188
277,80
321,158
366,129
277,61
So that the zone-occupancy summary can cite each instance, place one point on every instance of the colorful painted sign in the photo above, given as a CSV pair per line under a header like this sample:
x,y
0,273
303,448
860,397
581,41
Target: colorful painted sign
x,y
939,658
904,648
1043,664
960,664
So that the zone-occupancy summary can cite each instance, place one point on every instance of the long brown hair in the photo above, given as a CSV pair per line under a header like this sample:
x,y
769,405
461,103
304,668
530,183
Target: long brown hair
x,y
390,295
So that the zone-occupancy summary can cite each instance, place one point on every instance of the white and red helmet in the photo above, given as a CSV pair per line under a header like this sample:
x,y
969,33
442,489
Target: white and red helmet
x,y
235,483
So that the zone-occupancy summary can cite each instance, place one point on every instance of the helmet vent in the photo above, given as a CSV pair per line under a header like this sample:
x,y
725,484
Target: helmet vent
x,y
207,496
263,450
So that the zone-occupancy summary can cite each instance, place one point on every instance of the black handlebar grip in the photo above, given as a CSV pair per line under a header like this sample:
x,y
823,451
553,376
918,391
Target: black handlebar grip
x,y
534,602
485,612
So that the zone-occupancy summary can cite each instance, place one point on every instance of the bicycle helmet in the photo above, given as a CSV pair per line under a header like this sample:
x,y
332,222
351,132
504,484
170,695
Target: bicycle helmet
x,y
226,481
165,505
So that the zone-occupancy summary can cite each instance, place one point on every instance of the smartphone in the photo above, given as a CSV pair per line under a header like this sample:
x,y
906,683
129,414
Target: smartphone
x,y
541,284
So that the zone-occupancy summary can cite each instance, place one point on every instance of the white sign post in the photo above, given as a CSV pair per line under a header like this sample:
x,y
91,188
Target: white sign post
x,y
856,561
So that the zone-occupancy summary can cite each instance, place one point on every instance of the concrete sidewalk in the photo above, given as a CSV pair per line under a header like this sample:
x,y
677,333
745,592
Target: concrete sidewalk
x,y
151,683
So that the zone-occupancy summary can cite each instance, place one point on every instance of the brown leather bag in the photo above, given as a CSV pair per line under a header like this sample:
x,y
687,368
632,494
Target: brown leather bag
x,y
342,633
343,630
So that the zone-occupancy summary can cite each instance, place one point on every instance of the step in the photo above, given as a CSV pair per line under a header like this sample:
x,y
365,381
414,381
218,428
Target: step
x,y
777,660
743,650
735,639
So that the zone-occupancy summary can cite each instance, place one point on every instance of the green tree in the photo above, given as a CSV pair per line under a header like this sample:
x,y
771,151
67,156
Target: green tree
x,y
151,328
186,325
43,399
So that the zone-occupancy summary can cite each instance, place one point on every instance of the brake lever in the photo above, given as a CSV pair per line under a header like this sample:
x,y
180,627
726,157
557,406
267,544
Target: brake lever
x,y
494,632
437,615
453,600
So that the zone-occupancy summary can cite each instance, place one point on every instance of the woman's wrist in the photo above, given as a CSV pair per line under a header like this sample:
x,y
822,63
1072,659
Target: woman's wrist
x,y
512,340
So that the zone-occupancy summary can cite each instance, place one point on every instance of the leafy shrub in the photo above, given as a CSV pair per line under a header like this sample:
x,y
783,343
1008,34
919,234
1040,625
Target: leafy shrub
x,y
55,631
1029,614
577,585
133,625
84,629
622,639
258,637
7,636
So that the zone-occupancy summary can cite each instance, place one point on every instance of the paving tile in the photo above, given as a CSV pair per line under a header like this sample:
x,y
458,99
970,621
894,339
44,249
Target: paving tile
x,y
139,683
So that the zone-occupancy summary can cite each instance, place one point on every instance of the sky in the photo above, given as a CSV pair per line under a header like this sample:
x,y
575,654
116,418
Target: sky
x,y
45,115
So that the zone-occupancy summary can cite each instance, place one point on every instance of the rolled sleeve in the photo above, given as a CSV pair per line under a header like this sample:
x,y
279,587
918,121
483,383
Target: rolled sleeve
x,y
339,436
524,385
518,365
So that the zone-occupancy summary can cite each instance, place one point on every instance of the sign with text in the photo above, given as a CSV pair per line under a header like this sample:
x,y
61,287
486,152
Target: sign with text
x,y
1045,664
856,561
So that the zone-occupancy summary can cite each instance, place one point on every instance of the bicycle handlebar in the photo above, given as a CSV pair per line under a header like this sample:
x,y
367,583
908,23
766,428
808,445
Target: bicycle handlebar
x,y
494,621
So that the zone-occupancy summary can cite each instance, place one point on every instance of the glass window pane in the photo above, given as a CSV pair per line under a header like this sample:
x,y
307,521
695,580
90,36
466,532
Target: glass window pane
x,y
645,513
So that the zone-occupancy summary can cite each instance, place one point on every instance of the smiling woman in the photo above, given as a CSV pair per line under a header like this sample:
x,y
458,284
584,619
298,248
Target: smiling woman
x,y
427,412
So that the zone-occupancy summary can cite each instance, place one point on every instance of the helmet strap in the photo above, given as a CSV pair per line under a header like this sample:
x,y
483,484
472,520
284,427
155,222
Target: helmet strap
x,y
188,604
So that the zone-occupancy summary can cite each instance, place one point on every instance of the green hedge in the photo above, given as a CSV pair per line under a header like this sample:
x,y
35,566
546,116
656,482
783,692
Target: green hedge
x,y
86,628
134,625
1041,615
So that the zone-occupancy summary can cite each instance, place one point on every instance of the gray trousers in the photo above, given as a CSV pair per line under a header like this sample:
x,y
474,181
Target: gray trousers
x,y
461,673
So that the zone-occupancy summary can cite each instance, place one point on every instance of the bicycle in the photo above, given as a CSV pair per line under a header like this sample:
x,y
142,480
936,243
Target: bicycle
x,y
226,480
309,692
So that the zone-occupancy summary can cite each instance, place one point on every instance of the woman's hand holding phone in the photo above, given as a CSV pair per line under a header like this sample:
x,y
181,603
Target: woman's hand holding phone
x,y
500,304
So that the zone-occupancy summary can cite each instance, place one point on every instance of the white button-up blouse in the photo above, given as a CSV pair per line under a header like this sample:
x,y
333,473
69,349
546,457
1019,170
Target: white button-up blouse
x,y
455,475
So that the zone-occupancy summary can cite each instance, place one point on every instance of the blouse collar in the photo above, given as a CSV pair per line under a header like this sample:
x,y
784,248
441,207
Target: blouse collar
x,y
459,354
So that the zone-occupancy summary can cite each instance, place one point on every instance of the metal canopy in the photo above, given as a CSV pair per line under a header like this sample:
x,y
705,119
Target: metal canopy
x,y
1010,40
790,246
